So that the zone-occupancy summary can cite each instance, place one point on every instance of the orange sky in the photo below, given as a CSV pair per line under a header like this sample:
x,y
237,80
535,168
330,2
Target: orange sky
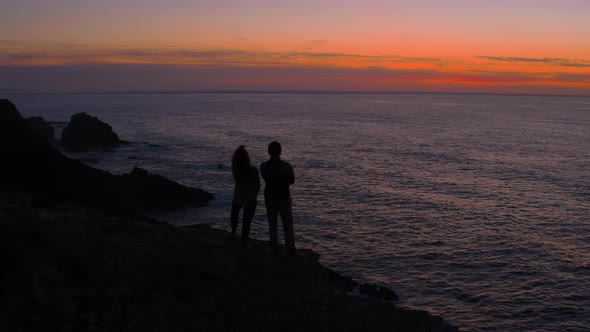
x,y
520,46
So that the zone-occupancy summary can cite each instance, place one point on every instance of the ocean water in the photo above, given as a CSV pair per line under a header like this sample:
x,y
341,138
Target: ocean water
x,y
473,207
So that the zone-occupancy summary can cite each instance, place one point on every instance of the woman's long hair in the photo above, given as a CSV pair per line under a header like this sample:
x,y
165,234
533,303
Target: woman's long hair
x,y
240,164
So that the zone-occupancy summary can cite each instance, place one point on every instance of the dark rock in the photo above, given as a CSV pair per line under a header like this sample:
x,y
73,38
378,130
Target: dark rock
x,y
378,292
9,111
24,152
85,132
345,282
147,277
156,190
30,163
42,127
88,160
58,123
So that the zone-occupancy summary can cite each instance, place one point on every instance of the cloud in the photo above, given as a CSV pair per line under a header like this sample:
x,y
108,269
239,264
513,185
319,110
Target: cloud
x,y
312,44
255,57
6,43
552,61
22,57
150,77
571,77
86,68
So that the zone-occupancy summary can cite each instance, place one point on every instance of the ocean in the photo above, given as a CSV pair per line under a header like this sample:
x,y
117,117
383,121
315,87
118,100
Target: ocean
x,y
473,207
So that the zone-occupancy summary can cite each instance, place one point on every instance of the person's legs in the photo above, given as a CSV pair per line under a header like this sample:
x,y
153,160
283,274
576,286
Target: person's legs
x,y
272,214
286,213
249,211
235,214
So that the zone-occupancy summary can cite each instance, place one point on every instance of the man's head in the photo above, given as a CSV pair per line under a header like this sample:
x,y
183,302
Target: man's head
x,y
274,149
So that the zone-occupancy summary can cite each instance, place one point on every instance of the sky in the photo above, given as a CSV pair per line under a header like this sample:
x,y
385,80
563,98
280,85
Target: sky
x,y
501,46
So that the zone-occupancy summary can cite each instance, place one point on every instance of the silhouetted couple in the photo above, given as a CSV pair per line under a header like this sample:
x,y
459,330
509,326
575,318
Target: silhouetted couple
x,y
278,175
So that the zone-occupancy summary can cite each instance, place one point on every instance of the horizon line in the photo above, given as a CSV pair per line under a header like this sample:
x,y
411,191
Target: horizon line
x,y
261,91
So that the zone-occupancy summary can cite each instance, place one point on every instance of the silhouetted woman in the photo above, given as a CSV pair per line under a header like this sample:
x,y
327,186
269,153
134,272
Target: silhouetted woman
x,y
247,185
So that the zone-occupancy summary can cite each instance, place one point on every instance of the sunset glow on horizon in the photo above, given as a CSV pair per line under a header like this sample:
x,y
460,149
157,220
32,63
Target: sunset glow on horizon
x,y
519,46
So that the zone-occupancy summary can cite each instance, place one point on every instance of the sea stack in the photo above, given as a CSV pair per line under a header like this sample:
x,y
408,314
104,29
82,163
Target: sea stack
x,y
85,132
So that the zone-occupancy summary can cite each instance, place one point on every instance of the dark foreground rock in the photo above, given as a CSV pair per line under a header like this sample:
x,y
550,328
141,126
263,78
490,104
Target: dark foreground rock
x,y
42,127
149,189
67,269
32,165
85,132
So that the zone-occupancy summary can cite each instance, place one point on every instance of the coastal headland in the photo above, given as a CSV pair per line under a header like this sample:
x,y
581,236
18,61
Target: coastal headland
x,y
79,255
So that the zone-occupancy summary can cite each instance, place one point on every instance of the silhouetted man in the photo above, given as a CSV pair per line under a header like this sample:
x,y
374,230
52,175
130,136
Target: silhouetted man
x,y
278,175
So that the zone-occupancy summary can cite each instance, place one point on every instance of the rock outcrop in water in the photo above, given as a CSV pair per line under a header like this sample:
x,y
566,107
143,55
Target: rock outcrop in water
x,y
31,164
85,132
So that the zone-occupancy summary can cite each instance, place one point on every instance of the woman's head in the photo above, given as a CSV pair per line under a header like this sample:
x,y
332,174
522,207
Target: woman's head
x,y
240,164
